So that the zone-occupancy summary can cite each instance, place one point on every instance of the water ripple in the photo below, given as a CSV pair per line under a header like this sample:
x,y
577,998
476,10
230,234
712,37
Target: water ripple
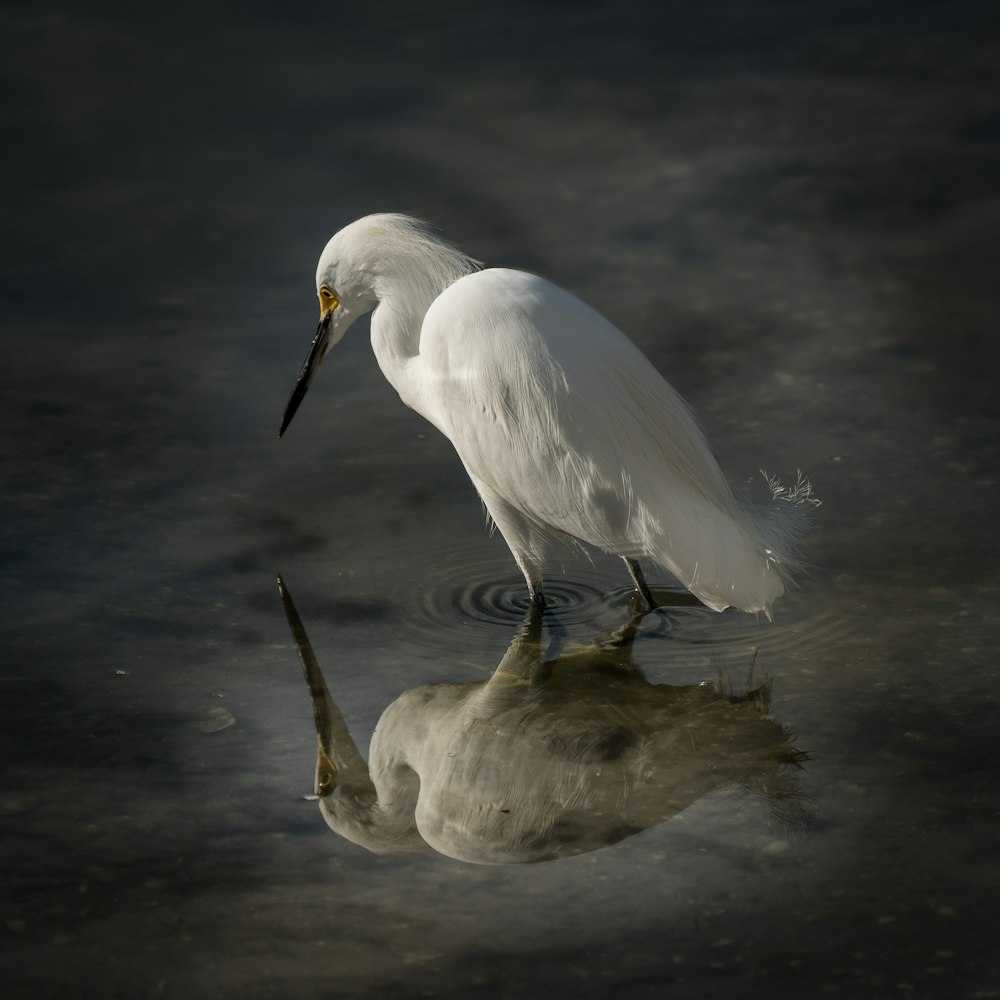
x,y
504,601
469,596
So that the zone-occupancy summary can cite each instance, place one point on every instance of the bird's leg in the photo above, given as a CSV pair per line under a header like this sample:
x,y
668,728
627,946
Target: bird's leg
x,y
532,576
521,538
532,571
640,583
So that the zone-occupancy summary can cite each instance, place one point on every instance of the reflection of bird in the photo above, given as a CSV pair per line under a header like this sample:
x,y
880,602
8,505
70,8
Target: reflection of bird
x,y
546,759
564,427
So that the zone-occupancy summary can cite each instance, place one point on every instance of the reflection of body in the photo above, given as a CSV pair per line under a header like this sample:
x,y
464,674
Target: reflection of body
x,y
542,761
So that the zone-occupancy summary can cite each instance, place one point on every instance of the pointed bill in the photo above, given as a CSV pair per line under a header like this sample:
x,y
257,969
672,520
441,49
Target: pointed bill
x,y
309,368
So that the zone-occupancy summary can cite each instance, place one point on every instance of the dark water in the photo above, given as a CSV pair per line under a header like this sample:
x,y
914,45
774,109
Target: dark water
x,y
792,208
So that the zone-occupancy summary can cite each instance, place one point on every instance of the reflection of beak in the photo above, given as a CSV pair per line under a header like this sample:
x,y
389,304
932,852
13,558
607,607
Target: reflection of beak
x,y
323,713
309,368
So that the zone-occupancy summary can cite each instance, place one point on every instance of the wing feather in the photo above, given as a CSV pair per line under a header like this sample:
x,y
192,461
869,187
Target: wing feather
x,y
554,409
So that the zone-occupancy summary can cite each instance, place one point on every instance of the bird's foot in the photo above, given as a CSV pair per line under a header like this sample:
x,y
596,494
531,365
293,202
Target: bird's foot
x,y
647,596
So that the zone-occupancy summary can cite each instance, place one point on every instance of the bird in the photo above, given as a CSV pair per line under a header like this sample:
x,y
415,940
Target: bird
x,y
567,431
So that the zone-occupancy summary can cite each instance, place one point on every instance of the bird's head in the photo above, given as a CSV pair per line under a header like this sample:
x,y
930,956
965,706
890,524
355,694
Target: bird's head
x,y
368,259
345,291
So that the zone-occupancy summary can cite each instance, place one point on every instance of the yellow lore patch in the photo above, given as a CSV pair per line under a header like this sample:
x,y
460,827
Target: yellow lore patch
x,y
327,300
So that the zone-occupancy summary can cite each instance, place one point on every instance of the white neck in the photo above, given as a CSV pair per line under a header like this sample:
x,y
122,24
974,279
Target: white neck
x,y
398,266
405,293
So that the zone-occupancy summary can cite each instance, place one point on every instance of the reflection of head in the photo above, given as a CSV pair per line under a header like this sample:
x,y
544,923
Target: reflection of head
x,y
546,759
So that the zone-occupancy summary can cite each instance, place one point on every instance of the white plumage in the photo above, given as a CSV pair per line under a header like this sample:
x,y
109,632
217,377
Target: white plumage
x,y
562,424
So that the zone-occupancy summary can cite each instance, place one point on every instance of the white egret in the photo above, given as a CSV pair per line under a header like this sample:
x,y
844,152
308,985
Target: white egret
x,y
564,427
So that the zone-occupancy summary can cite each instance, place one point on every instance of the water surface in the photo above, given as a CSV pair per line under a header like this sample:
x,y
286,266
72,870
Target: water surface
x,y
791,210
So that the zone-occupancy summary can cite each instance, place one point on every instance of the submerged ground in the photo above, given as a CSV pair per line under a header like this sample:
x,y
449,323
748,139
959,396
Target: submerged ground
x,y
790,208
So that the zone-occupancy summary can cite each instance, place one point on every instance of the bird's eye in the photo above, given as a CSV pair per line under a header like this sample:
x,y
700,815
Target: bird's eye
x,y
325,292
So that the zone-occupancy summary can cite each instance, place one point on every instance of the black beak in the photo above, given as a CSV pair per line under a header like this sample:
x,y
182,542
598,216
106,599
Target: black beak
x,y
309,368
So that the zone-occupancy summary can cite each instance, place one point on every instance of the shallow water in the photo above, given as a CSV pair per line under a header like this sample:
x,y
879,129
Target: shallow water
x,y
792,212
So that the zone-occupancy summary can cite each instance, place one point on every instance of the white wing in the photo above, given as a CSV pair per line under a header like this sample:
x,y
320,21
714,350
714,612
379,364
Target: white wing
x,y
554,410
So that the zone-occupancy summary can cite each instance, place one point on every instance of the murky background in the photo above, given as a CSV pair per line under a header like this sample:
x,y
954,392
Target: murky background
x,y
792,209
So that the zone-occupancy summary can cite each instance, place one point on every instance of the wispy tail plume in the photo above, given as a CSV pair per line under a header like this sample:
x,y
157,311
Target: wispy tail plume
x,y
787,518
